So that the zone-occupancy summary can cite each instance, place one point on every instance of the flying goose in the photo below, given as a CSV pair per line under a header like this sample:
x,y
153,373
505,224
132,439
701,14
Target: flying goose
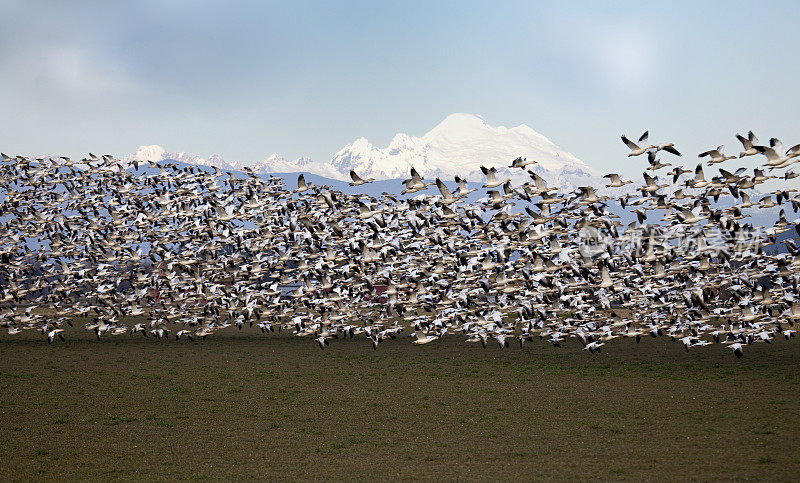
x,y
635,149
748,143
491,178
357,181
716,155
615,181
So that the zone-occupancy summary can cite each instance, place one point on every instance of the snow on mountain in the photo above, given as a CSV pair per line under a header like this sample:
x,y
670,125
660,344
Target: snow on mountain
x,y
147,153
157,153
460,145
279,164
213,160
273,164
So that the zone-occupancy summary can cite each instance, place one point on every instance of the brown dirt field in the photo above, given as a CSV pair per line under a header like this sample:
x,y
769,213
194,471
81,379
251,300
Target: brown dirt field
x,y
245,405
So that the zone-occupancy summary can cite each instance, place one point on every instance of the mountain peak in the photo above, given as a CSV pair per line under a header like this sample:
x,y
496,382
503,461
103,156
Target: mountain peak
x,y
274,157
460,145
462,119
458,126
361,144
157,153
153,152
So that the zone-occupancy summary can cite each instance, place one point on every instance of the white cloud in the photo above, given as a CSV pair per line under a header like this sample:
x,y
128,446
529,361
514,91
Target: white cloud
x,y
625,58
615,54
75,69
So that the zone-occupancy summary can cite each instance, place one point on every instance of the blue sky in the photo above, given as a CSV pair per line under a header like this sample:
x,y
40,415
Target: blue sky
x,y
246,79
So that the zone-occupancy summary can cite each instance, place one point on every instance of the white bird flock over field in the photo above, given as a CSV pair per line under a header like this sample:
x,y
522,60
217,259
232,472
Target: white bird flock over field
x,y
178,253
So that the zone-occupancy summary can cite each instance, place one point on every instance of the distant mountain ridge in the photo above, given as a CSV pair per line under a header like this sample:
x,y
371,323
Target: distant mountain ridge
x,y
157,153
459,145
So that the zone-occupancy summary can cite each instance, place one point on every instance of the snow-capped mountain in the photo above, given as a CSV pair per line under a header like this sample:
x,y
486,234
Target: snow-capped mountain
x,y
279,164
459,145
273,164
157,153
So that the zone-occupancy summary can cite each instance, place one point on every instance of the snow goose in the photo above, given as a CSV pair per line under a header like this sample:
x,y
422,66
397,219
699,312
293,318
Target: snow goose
x,y
615,181
716,155
636,150
491,178
748,143
357,180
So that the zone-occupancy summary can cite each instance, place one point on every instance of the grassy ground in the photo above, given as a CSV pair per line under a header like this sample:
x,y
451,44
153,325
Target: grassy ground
x,y
253,406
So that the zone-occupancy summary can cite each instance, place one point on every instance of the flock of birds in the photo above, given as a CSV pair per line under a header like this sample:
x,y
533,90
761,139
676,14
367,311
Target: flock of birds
x,y
184,252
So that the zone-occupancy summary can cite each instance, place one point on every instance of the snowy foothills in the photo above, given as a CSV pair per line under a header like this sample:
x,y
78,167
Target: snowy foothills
x,y
492,235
